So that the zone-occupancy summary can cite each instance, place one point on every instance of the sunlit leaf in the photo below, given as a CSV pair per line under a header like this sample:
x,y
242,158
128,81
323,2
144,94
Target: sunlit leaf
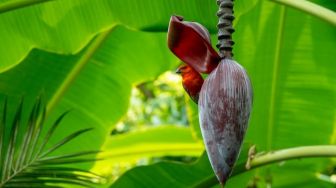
x,y
161,141
100,89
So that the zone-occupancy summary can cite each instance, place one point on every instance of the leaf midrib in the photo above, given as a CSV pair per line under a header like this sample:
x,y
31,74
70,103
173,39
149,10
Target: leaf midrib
x,y
76,70
275,78
20,170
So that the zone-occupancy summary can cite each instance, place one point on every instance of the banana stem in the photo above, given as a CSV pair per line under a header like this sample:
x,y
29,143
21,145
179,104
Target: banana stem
x,y
293,153
312,9
276,156
225,28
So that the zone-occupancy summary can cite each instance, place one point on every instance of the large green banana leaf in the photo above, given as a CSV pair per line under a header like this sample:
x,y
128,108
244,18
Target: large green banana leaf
x,y
67,26
200,174
74,54
96,88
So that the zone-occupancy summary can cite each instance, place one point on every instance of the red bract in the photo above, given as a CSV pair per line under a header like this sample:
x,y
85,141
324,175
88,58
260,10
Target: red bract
x,y
192,81
190,41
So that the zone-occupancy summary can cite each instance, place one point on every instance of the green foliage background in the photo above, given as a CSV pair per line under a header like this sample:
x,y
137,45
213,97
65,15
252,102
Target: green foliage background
x,y
88,55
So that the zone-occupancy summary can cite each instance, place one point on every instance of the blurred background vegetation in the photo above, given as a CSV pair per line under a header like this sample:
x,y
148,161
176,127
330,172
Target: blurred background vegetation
x,y
154,103
108,61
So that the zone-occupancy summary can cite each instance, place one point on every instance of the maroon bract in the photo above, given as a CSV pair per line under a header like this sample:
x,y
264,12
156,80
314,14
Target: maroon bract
x,y
190,41
224,109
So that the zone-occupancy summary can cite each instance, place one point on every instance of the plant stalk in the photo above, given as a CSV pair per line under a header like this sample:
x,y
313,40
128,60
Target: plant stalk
x,y
276,156
293,153
312,9
225,28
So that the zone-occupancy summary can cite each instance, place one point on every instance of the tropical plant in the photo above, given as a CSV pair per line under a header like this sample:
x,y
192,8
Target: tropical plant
x,y
88,56
25,159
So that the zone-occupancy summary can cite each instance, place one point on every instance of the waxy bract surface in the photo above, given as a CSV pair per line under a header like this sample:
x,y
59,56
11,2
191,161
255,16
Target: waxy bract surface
x,y
224,109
